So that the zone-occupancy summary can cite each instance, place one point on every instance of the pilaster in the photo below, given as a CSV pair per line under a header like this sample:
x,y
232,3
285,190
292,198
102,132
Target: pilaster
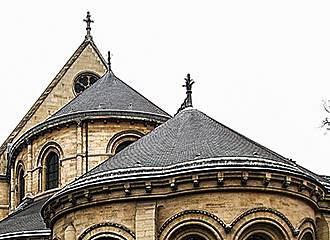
x,y
29,170
12,189
79,158
145,220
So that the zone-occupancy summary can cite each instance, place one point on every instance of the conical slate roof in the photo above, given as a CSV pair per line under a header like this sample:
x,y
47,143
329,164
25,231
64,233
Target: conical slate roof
x,y
110,94
189,142
189,136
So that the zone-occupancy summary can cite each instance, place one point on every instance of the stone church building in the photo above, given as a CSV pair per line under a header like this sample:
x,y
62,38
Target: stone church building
x,y
93,159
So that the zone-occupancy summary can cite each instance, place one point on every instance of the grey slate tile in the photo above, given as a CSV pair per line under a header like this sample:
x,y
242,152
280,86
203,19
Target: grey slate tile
x,y
27,219
110,93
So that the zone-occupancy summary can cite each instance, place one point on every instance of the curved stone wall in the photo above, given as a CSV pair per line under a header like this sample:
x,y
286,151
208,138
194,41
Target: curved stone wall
x,y
70,142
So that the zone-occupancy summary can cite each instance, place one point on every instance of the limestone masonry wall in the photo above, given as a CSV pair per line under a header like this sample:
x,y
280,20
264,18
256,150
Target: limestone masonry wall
x,y
71,148
155,219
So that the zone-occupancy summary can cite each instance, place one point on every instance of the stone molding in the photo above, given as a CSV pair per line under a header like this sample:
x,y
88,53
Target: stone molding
x,y
106,224
193,167
294,231
190,212
45,150
120,135
228,227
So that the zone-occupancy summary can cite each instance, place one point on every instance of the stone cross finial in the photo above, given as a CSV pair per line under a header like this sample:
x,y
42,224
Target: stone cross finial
x,y
188,85
88,21
109,61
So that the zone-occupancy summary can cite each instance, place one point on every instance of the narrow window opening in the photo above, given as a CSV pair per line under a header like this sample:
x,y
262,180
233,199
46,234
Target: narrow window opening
x,y
52,171
21,185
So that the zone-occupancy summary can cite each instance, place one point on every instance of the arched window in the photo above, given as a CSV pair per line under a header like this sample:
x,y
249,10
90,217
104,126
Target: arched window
x,y
193,232
123,145
21,185
122,140
262,231
52,170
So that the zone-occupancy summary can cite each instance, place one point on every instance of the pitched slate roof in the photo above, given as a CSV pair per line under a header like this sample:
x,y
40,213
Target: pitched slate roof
x,y
110,94
27,220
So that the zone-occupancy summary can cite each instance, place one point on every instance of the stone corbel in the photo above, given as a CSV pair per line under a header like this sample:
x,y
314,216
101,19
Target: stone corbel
x,y
148,187
316,193
267,179
72,199
173,184
195,180
302,186
286,182
220,178
244,178
127,189
88,195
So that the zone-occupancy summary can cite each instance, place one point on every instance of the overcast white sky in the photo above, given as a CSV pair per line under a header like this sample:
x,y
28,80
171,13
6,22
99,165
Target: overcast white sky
x,y
260,67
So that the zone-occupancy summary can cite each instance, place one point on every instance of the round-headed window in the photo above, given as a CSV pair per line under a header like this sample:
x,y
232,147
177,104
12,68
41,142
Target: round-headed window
x,y
52,170
193,232
84,81
123,145
122,140
21,185
262,231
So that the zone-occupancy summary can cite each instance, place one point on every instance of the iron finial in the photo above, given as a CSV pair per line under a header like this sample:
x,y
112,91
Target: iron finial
x,y
188,100
88,21
188,85
109,61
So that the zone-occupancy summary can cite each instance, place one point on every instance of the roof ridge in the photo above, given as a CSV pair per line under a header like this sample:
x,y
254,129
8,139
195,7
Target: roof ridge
x,y
140,94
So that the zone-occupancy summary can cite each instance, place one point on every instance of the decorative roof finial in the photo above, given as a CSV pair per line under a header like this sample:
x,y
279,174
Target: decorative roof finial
x,y
188,100
109,61
188,85
88,21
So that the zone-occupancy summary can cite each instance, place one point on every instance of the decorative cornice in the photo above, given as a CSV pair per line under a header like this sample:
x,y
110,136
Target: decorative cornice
x,y
202,165
106,224
126,189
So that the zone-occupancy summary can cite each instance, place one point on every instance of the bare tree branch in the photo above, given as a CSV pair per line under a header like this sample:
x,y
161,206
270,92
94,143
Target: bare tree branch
x,y
326,106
